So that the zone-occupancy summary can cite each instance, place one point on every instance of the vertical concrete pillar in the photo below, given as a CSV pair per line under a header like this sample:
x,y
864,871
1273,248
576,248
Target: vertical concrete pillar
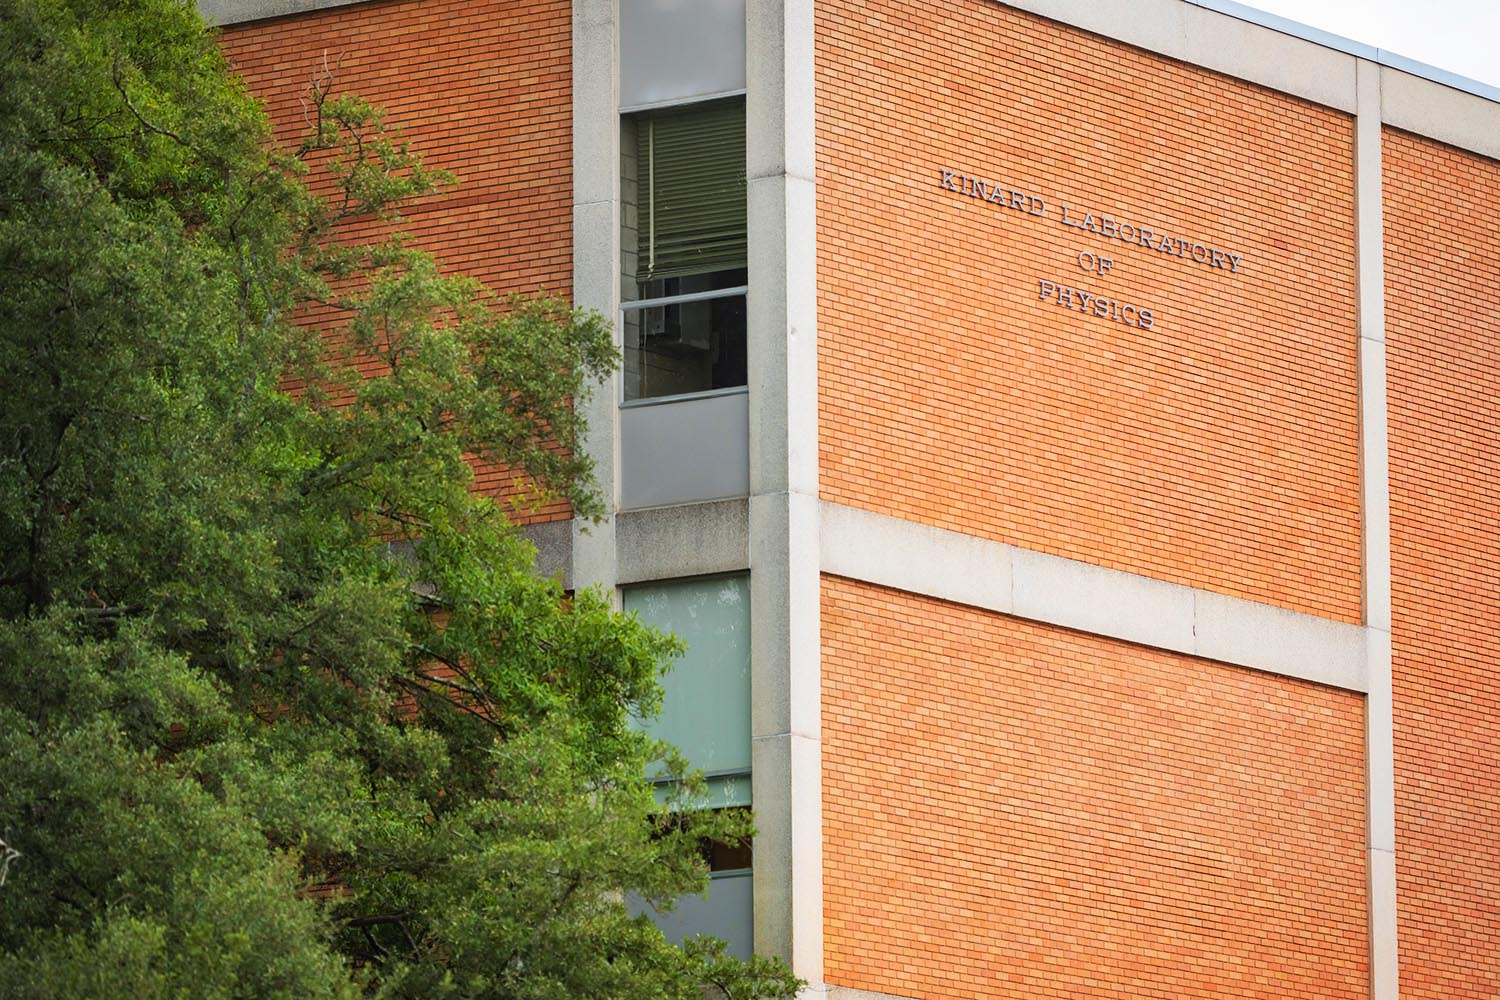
x,y
783,399
1376,509
596,259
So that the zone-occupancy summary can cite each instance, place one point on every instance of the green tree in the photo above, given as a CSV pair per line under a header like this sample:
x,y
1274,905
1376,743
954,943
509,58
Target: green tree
x,y
284,711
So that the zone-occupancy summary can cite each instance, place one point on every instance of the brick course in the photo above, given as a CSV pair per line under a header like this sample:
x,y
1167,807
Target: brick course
x,y
1218,449
482,88
1442,207
1012,810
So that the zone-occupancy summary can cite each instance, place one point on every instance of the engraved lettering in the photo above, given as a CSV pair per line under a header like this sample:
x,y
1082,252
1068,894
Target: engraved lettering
x,y
1108,226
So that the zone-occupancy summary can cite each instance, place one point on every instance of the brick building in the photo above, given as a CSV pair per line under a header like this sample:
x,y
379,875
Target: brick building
x,y
1065,433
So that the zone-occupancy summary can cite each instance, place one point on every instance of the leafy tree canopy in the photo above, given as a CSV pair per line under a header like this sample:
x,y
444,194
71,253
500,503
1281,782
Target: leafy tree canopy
x,y
283,710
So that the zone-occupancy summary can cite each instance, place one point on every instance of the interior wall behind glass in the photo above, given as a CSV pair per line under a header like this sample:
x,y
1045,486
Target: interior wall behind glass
x,y
680,50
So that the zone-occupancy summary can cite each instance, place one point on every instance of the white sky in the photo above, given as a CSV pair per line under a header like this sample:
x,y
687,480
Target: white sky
x,y
1462,36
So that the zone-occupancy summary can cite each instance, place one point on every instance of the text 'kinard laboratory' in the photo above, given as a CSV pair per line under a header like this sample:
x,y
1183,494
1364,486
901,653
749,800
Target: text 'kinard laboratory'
x,y
1107,226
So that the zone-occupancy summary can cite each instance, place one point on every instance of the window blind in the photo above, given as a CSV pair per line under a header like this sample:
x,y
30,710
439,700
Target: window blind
x,y
691,179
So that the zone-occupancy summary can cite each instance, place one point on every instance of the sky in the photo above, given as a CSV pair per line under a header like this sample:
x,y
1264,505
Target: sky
x,y
1462,36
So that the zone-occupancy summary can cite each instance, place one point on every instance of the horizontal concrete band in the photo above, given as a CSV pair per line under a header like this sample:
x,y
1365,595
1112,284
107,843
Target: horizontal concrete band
x,y
1371,53
660,543
698,539
845,993
222,12
1307,64
951,566
666,543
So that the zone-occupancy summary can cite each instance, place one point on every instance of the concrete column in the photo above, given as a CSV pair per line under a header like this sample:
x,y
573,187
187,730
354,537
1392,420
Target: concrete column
x,y
784,581
1376,508
596,259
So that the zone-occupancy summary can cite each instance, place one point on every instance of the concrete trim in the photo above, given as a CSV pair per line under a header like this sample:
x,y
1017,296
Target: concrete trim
x,y
951,566
1384,57
696,539
1460,119
222,12
1385,978
845,993
787,770
1274,52
1375,493
1215,41
554,549
596,263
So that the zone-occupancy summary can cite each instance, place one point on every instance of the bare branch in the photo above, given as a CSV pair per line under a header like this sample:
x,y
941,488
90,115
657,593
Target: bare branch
x,y
145,122
7,855
470,710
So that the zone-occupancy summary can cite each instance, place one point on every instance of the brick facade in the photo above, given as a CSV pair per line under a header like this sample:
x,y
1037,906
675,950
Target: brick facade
x,y
482,89
1011,809
1441,209
1014,810
1218,449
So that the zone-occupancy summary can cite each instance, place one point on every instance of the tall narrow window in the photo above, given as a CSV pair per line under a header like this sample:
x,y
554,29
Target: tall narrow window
x,y
706,709
706,715
685,245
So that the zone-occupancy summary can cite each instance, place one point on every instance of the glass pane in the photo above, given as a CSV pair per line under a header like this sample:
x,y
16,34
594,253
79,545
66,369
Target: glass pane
x,y
706,712
678,50
728,913
722,792
712,281
686,347
722,857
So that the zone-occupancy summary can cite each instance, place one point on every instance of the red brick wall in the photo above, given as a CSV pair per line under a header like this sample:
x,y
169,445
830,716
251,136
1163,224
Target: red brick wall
x,y
1442,209
1217,449
1014,810
482,88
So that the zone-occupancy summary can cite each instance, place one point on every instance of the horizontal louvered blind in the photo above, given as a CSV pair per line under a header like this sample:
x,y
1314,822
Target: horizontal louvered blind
x,y
692,190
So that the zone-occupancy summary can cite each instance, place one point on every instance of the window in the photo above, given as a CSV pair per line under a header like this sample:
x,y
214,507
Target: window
x,y
706,714
706,709
684,244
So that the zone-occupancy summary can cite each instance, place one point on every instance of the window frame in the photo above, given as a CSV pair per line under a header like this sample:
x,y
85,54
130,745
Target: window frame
x,y
639,305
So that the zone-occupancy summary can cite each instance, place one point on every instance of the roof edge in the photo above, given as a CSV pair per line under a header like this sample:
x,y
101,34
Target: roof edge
x,y
1328,39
